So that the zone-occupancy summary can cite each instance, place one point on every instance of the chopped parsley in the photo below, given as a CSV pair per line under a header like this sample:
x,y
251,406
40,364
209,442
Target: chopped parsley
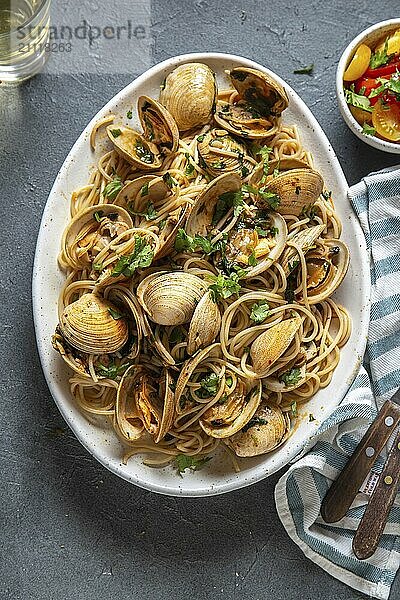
x,y
169,180
144,190
392,84
293,408
200,138
225,202
97,266
141,257
208,386
269,198
291,377
224,286
98,215
112,371
259,311
305,70
253,422
144,153
184,461
190,168
311,417
115,314
149,214
368,129
129,114
115,132
113,188
252,260
185,242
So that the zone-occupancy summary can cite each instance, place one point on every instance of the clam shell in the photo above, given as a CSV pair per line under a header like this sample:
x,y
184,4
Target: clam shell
x,y
239,119
188,368
205,324
88,326
202,213
170,298
83,224
158,124
260,90
286,164
270,430
133,196
168,407
134,148
249,408
340,263
129,424
297,189
305,239
189,94
272,343
280,240
221,153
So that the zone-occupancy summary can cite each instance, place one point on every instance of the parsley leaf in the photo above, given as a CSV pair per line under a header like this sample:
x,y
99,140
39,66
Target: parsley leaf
x,y
112,371
357,100
208,386
129,114
144,190
113,188
115,132
184,461
368,129
141,257
305,70
224,286
149,214
254,421
115,314
291,377
252,260
225,202
98,215
169,180
183,241
270,198
259,311
190,168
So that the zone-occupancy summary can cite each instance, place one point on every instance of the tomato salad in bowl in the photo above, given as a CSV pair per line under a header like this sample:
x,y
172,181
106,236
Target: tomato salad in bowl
x,y
368,86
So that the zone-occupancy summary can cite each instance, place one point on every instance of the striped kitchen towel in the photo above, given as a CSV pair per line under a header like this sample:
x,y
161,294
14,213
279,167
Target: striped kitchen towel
x,y
298,494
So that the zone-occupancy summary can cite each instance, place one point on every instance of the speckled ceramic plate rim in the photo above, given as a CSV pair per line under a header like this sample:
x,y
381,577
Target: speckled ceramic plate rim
x,y
345,371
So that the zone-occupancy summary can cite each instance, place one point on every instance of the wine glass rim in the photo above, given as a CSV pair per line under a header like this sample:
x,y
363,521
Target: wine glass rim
x,y
37,12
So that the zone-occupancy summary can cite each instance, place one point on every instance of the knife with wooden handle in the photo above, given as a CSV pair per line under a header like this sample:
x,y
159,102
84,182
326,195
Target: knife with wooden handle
x,y
372,524
343,491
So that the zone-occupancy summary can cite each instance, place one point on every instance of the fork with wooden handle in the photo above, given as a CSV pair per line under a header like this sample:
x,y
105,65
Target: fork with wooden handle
x,y
343,491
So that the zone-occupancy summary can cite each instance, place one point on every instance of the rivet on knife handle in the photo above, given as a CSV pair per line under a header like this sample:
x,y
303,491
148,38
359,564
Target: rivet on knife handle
x,y
373,522
343,491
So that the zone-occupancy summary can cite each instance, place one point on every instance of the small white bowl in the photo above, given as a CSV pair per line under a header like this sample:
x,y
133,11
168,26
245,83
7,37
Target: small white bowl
x,y
369,36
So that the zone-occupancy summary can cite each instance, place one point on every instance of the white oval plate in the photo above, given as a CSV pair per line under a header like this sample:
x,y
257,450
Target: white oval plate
x,y
217,476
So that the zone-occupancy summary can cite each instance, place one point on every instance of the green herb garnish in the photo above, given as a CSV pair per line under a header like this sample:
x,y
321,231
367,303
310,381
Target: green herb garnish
x,y
113,188
253,422
252,260
291,377
259,311
115,314
140,258
305,70
357,100
368,129
224,286
381,57
149,214
112,371
98,215
208,386
144,190
115,132
225,202
129,114
184,461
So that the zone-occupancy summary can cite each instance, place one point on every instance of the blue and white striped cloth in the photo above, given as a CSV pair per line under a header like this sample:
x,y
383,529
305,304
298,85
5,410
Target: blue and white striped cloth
x,y
298,494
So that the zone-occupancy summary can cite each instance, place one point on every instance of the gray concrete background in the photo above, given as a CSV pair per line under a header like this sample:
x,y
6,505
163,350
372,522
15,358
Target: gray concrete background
x,y
69,529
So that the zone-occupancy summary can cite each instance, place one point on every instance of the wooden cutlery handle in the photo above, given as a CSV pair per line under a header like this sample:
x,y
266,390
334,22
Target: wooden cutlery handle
x,y
343,491
374,519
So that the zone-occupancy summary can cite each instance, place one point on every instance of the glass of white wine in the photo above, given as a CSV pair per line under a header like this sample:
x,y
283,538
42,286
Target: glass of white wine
x,y
24,37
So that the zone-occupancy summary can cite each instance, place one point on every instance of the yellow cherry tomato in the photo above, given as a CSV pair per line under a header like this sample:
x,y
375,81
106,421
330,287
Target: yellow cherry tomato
x,y
360,115
393,44
359,63
386,120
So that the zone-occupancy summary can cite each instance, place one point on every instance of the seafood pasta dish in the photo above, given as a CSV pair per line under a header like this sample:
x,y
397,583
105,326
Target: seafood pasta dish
x,y
200,261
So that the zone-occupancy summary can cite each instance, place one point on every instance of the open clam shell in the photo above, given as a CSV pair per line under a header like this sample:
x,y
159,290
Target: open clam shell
x,y
189,94
205,324
158,124
272,343
274,246
326,269
297,189
249,403
267,430
139,192
129,424
134,148
170,298
304,239
221,153
241,119
200,219
260,90
89,325
286,164
188,369
83,232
